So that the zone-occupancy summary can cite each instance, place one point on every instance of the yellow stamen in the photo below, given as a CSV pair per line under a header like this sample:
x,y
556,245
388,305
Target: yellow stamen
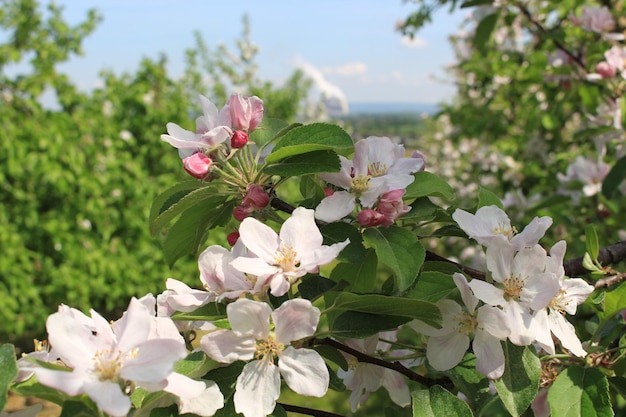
x,y
513,288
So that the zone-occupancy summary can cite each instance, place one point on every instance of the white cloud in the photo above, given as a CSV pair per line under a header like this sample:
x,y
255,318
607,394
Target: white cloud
x,y
414,42
332,95
347,70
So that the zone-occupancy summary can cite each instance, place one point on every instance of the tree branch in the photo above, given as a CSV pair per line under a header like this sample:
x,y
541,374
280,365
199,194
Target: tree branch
x,y
363,357
606,256
307,411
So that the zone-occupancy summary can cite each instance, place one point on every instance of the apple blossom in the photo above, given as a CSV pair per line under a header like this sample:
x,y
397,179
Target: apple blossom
x,y
596,19
219,278
378,166
252,339
589,172
285,257
243,113
197,165
106,360
491,225
447,346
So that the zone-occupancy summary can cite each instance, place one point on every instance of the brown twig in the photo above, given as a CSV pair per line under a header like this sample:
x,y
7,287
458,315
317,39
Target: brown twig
x,y
610,281
307,411
606,256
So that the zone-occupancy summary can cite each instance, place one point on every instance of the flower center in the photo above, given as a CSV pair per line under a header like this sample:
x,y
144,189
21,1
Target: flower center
x,y
376,169
268,349
360,184
513,288
108,363
465,323
559,302
286,258
504,230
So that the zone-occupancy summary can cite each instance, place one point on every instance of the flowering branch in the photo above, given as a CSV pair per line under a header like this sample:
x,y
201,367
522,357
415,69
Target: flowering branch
x,y
610,281
362,357
606,256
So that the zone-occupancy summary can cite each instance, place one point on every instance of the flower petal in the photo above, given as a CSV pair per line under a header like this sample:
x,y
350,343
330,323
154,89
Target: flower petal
x,y
445,352
226,346
207,403
335,207
489,355
249,317
259,238
304,371
295,319
109,397
257,389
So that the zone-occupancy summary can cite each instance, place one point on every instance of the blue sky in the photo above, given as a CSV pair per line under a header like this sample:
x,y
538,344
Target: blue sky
x,y
346,44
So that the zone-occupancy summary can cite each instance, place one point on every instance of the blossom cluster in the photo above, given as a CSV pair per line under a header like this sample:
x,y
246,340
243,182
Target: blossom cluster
x,y
525,301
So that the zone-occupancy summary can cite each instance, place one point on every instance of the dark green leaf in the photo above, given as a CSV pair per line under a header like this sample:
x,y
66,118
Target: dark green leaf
x,y
591,241
304,164
209,312
309,138
428,184
614,302
338,232
472,3
73,408
484,30
400,250
360,276
314,286
357,325
487,198
169,197
614,178
433,286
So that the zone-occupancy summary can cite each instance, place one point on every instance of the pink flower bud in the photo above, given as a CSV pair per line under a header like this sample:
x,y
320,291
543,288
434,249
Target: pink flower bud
x,y
256,198
239,139
246,113
605,70
370,218
232,238
197,165
241,212
328,191
391,206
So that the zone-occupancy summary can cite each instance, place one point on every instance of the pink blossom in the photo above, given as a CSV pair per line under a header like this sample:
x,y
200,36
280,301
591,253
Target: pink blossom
x,y
244,113
370,218
605,70
197,165
391,206
239,139
255,197
596,19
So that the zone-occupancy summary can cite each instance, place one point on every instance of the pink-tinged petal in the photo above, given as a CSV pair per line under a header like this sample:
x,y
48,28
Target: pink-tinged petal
x,y
532,233
134,327
154,360
396,387
576,292
109,397
205,404
279,285
324,255
301,233
397,181
540,405
257,389
383,151
361,380
294,320
445,352
183,387
256,112
304,371
566,333
489,355
407,166
70,383
208,120
493,321
216,272
335,207
360,159
468,297
343,178
487,293
183,298
259,238
226,346
249,317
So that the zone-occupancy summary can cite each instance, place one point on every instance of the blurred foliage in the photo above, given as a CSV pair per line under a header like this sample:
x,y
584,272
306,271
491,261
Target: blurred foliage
x,y
78,175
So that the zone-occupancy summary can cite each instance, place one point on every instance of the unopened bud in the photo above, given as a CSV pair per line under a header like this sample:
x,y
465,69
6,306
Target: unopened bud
x,y
605,70
232,238
370,218
197,165
391,206
256,198
241,212
239,139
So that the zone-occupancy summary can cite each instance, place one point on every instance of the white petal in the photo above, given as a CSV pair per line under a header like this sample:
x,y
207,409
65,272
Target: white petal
x,y
335,207
542,333
576,292
301,233
294,320
254,266
304,371
566,333
154,361
74,343
492,320
207,403
70,383
249,317
499,261
489,355
109,397
183,387
342,178
259,238
468,297
445,352
226,346
487,293
257,389
396,387
532,233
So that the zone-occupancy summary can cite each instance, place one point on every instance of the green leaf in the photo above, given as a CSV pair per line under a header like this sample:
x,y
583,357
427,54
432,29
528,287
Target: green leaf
x,y
169,197
438,402
472,3
580,392
171,411
304,164
73,408
422,209
312,137
206,196
427,184
488,198
388,305
195,365
618,383
8,371
338,232
548,121
433,286
484,30
591,241
400,250
314,286
268,130
614,302
519,384
615,177
32,388
208,312
361,275
357,325
190,231
332,355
